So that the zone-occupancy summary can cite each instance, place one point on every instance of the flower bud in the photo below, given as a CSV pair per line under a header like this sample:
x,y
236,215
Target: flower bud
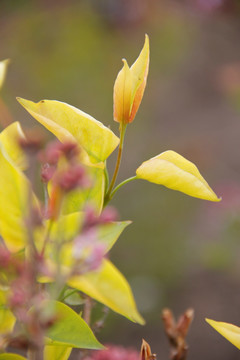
x,y
129,87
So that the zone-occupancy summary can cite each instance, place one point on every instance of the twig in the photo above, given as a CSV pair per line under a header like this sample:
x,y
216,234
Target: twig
x,y
177,332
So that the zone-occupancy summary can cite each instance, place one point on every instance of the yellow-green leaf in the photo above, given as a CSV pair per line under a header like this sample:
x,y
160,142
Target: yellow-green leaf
x,y
130,85
10,139
52,352
68,227
108,286
93,196
7,320
71,330
175,172
68,123
8,356
14,189
3,70
65,228
110,232
229,331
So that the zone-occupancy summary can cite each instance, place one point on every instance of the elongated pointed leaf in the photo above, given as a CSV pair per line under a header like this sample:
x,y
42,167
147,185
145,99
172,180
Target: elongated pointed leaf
x,y
3,69
71,330
175,172
68,123
68,227
109,287
8,356
52,352
229,331
10,139
14,188
109,233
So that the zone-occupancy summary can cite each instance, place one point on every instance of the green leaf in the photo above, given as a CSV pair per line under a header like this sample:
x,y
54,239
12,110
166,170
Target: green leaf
x,y
110,232
72,297
175,172
109,287
68,123
52,352
71,330
8,356
229,331
10,139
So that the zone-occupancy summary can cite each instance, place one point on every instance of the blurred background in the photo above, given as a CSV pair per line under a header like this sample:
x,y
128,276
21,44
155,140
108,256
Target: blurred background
x,y
179,252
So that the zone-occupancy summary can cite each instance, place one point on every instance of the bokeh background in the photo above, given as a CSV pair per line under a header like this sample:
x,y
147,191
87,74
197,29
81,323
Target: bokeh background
x,y
179,252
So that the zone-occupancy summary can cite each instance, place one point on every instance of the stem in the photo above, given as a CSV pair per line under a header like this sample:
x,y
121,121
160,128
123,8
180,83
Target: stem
x,y
31,354
46,198
87,310
35,354
50,224
121,184
106,178
119,157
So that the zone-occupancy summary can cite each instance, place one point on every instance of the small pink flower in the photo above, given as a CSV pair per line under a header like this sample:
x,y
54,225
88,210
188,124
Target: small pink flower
x,y
114,353
109,214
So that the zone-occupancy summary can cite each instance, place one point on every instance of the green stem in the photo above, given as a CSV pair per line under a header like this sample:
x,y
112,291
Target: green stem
x,y
119,157
69,294
106,177
61,296
121,184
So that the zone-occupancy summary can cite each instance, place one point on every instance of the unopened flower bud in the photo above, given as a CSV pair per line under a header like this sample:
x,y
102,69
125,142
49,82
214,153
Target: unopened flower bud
x,y
72,177
47,172
129,87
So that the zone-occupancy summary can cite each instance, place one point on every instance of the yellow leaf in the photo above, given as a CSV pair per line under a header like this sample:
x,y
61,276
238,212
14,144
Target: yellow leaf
x,y
3,69
109,287
68,123
52,352
7,320
10,138
8,356
175,172
14,189
130,85
229,331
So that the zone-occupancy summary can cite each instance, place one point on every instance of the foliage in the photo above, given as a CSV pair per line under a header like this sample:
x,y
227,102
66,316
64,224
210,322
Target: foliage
x,y
55,248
